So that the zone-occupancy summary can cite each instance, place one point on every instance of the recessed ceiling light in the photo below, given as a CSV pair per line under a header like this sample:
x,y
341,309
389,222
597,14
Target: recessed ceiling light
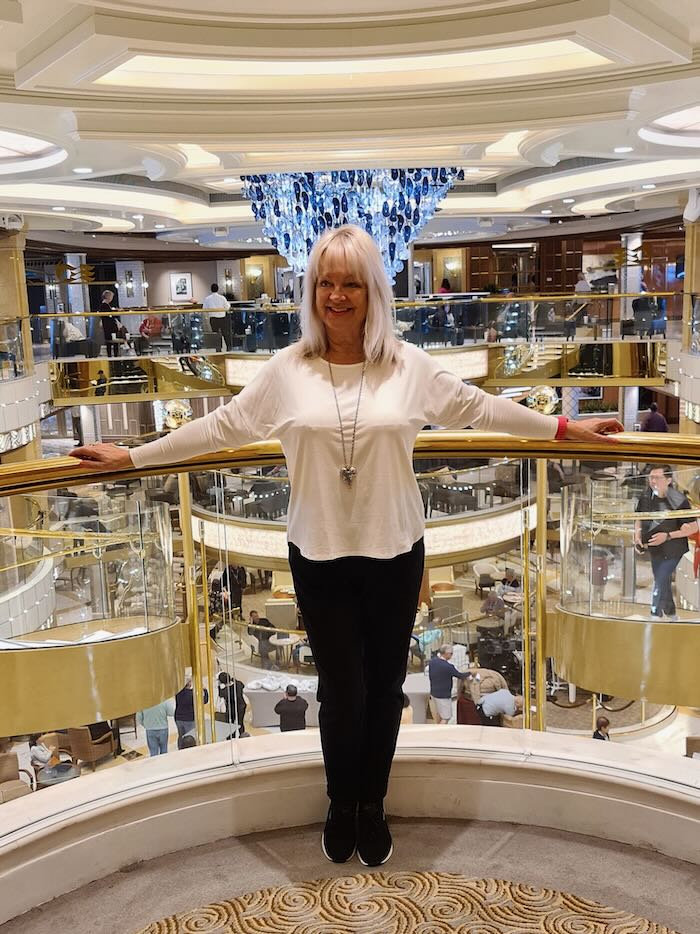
x,y
196,239
137,217
229,181
545,211
623,149
648,187
472,171
58,208
159,226
568,200
82,170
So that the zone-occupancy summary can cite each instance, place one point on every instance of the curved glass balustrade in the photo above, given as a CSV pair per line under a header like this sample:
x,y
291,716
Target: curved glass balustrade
x,y
451,320
12,363
125,558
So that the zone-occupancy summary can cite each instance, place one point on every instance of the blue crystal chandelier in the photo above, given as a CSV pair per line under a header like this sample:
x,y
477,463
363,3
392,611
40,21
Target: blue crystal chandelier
x,y
392,205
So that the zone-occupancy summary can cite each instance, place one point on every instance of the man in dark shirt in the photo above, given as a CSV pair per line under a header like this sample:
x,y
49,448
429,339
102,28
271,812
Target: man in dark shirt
x,y
602,725
291,710
261,629
184,711
232,692
666,538
441,671
654,421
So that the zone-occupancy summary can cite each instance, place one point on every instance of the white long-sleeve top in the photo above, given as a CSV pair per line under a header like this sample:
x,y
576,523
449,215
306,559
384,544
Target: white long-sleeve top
x,y
381,514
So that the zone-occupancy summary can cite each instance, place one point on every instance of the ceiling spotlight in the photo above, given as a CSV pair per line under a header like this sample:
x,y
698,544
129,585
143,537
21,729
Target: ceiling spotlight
x,y
137,217
472,171
648,187
229,181
159,226
82,170
546,211
568,200
196,239
622,149
58,208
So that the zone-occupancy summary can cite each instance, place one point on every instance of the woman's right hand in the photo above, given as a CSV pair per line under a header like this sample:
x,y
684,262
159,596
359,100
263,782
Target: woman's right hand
x,y
103,457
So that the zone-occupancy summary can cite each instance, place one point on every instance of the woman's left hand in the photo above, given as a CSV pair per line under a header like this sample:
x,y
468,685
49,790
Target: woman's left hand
x,y
592,429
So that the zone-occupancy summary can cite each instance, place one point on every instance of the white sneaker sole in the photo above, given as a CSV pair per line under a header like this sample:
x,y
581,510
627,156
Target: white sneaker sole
x,y
385,860
336,861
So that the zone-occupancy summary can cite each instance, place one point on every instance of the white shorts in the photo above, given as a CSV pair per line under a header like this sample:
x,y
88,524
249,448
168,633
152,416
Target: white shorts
x,y
443,706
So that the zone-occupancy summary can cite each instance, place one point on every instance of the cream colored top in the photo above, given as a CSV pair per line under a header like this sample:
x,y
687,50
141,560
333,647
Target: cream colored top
x,y
291,398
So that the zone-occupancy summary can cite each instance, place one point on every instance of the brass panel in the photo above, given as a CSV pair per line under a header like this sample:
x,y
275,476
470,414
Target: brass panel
x,y
61,686
656,661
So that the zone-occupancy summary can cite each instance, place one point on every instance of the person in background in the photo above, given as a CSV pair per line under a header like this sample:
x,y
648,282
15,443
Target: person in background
x,y
500,703
261,629
582,284
666,538
154,720
291,710
445,286
231,689
599,574
184,711
509,584
482,681
407,712
111,323
491,333
218,307
494,605
39,753
602,727
100,383
441,671
188,742
654,421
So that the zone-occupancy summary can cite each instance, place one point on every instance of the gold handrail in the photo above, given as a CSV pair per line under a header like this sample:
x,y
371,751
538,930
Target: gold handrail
x,y
646,447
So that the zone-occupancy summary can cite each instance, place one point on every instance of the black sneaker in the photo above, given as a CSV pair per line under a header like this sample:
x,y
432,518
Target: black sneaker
x,y
374,844
339,836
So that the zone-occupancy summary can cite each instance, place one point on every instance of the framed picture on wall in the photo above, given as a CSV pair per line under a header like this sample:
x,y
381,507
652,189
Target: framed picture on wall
x,y
591,392
180,286
129,282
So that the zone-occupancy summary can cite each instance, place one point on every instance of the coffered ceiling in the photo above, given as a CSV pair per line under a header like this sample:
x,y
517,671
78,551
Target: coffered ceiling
x,y
141,115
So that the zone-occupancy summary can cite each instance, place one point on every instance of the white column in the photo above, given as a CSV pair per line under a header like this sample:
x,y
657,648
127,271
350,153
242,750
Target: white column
x,y
629,396
78,295
90,424
630,276
411,275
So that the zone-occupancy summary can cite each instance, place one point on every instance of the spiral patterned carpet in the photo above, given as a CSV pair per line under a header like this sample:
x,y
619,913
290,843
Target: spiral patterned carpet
x,y
403,902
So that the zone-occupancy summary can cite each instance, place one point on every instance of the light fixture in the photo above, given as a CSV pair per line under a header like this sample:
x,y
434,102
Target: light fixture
x,y
253,272
196,239
392,205
82,170
568,200
229,181
145,285
472,171
159,226
137,217
621,149
648,186
57,208
545,211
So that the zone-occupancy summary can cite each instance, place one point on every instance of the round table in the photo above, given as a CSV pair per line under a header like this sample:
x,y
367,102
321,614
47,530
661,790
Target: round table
x,y
283,646
49,776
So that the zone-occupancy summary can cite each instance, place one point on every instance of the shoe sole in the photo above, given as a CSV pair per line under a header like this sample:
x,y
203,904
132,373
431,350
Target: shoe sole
x,y
338,861
385,860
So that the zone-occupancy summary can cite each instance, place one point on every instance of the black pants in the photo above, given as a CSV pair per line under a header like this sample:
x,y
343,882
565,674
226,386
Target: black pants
x,y
222,326
359,615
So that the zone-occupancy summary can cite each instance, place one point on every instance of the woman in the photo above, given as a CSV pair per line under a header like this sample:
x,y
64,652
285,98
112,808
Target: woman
x,y
111,324
347,402
39,753
445,287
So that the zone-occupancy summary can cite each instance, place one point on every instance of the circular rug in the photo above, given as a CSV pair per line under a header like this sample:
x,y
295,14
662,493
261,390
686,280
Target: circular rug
x,y
403,902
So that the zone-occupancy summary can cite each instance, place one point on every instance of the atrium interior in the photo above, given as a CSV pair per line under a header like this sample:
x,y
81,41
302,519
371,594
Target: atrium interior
x,y
528,172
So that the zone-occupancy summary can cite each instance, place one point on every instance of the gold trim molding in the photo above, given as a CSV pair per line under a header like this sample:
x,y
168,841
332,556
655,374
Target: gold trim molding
x,y
60,686
627,657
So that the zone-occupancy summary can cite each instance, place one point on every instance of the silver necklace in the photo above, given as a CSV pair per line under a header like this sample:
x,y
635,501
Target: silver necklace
x,y
348,472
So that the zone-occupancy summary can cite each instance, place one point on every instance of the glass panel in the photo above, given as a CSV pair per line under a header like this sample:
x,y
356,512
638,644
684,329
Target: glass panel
x,y
11,350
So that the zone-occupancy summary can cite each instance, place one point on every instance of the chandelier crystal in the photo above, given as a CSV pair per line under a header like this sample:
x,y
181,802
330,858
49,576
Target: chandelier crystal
x,y
392,205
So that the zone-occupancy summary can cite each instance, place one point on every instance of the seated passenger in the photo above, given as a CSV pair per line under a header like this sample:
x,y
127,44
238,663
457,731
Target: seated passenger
x,y
482,681
39,753
493,605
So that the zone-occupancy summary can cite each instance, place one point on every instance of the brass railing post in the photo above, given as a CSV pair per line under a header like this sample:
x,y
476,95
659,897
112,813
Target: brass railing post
x,y
207,621
527,631
541,596
183,483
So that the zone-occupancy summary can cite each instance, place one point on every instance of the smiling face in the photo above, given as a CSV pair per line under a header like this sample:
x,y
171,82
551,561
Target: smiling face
x,y
341,302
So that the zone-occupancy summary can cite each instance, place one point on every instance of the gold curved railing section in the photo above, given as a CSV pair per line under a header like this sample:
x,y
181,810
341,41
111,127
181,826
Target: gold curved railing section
x,y
630,658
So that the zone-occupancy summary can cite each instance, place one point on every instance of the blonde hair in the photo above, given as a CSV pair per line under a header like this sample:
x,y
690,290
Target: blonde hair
x,y
354,248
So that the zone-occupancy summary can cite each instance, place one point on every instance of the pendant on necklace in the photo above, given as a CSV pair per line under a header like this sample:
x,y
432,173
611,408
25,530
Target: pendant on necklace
x,y
348,474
